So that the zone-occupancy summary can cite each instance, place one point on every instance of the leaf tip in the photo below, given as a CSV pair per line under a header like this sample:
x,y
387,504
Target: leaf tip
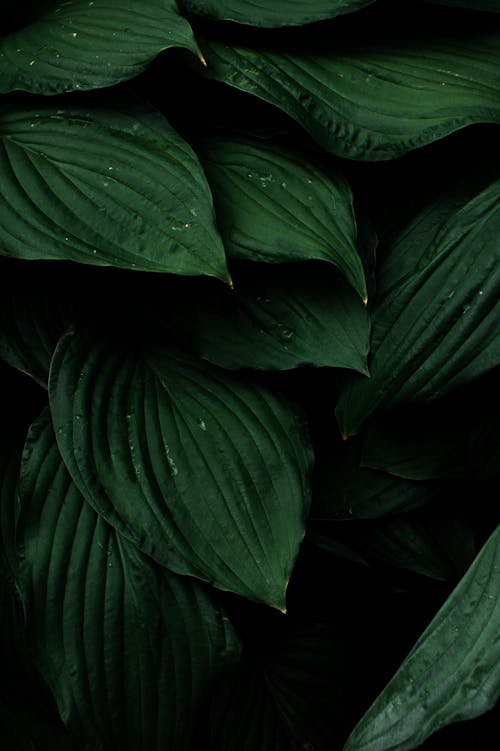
x,y
365,300
203,61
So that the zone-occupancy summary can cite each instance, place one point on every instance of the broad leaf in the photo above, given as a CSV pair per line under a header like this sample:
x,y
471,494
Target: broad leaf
x,y
278,204
278,13
453,671
134,197
437,329
82,45
275,318
206,473
366,94
130,650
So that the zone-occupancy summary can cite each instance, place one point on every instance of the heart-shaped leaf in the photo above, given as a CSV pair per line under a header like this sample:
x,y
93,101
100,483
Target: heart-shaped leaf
x,y
207,473
367,94
278,204
452,672
134,197
438,328
278,13
130,649
86,44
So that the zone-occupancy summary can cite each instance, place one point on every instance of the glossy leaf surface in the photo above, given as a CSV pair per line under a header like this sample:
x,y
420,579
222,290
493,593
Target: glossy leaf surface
x,y
134,197
372,96
205,472
83,45
275,318
277,204
453,671
130,650
279,13
437,329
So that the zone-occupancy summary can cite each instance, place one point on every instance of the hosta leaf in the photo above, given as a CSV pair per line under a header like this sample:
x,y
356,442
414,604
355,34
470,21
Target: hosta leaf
x,y
437,329
127,649
89,45
134,197
279,13
369,95
35,310
274,319
277,204
206,473
453,671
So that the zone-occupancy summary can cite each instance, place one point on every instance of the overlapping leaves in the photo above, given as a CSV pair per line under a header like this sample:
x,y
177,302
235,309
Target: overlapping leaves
x,y
122,624
205,472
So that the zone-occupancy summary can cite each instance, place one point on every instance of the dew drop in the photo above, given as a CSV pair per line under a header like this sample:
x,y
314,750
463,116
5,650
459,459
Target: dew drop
x,y
202,424
74,34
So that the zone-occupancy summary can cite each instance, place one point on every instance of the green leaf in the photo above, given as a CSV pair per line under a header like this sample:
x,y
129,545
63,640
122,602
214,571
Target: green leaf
x,y
279,13
128,650
134,197
275,318
367,94
277,204
207,473
452,672
437,328
88,45
35,310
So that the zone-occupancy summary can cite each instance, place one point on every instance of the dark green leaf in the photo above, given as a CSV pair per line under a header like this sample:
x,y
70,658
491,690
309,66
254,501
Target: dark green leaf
x,y
278,13
278,204
82,45
128,649
453,671
134,197
437,329
206,473
275,318
365,94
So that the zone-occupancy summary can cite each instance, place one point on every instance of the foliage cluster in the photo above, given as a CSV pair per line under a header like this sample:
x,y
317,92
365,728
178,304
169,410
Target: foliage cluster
x,y
250,344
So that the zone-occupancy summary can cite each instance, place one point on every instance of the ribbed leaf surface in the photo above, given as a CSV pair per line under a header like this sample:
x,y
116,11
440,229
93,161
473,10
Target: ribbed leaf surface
x,y
275,318
206,473
134,197
82,45
372,96
438,328
277,204
279,13
128,649
453,671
